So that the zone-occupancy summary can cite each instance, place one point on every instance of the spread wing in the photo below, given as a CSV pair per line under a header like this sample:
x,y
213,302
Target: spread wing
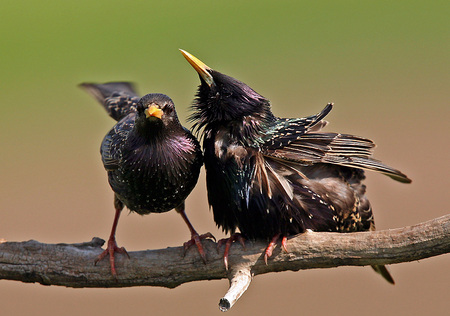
x,y
304,144
288,130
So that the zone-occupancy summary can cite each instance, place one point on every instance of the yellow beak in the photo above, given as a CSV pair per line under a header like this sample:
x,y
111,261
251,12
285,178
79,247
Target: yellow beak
x,y
199,66
153,111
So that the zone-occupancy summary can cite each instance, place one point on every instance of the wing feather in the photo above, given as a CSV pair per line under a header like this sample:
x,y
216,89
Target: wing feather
x,y
333,148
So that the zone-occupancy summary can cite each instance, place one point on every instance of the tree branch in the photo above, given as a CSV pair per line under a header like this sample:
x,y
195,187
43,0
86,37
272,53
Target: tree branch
x,y
71,265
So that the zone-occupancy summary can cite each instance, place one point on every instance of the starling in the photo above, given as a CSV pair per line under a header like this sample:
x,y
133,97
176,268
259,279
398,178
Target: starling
x,y
272,177
153,162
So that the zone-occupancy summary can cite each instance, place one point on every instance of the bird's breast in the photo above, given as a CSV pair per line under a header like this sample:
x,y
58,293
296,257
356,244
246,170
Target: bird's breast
x,y
156,177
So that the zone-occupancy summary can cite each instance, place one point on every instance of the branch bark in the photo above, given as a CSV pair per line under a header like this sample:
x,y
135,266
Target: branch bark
x,y
71,265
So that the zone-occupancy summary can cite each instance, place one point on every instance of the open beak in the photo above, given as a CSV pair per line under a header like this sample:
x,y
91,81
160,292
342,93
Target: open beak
x,y
153,111
200,67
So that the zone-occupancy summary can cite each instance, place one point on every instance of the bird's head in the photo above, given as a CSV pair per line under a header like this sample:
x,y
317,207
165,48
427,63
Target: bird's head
x,y
223,99
155,110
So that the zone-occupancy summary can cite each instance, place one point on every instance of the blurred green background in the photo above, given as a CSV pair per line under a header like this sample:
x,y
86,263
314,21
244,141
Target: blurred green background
x,y
385,64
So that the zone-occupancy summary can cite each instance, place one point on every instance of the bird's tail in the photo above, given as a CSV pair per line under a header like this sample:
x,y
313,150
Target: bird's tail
x,y
383,270
117,98
105,90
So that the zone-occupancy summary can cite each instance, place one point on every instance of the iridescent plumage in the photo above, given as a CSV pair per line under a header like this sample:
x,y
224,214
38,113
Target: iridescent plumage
x,y
271,177
153,162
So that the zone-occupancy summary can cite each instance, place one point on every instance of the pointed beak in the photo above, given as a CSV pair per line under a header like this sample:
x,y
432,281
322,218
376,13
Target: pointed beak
x,y
200,67
153,111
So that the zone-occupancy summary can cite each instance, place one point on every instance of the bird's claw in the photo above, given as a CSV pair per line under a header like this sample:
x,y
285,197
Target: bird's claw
x,y
111,250
269,250
284,243
228,242
197,240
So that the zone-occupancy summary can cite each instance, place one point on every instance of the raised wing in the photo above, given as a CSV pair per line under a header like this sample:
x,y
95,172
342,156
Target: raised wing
x,y
288,130
333,148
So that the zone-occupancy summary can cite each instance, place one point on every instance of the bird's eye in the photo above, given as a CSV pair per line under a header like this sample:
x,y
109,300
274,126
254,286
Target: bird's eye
x,y
140,107
167,108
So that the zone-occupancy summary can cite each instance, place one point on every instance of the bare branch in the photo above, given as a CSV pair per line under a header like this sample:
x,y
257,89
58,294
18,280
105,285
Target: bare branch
x,y
71,265
239,282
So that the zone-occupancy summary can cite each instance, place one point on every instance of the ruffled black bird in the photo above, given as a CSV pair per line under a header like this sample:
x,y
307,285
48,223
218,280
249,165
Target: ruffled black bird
x,y
153,162
275,177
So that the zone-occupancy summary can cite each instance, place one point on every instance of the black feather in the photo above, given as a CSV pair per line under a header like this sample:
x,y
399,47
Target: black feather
x,y
269,176
153,164
118,98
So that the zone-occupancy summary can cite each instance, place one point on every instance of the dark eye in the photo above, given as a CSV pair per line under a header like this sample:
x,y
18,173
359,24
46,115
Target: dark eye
x,y
167,108
140,108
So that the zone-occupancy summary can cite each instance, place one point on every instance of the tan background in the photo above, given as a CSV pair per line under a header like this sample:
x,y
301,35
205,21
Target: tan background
x,y
385,65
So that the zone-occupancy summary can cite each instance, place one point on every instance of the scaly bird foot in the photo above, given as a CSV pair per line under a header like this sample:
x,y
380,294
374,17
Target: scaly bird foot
x,y
111,249
272,244
197,240
228,242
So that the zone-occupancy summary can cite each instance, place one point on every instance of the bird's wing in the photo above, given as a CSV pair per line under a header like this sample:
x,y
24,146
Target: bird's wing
x,y
111,146
108,159
288,130
334,148
262,195
118,98
277,192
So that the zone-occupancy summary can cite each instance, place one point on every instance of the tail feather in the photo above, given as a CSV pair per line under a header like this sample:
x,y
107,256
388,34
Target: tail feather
x,y
117,98
105,90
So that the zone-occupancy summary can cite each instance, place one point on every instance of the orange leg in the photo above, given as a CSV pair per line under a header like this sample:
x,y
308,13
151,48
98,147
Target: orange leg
x,y
228,242
195,237
271,246
112,248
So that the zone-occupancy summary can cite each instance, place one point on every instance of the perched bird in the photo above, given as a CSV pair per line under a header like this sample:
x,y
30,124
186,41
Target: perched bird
x,y
153,162
274,177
